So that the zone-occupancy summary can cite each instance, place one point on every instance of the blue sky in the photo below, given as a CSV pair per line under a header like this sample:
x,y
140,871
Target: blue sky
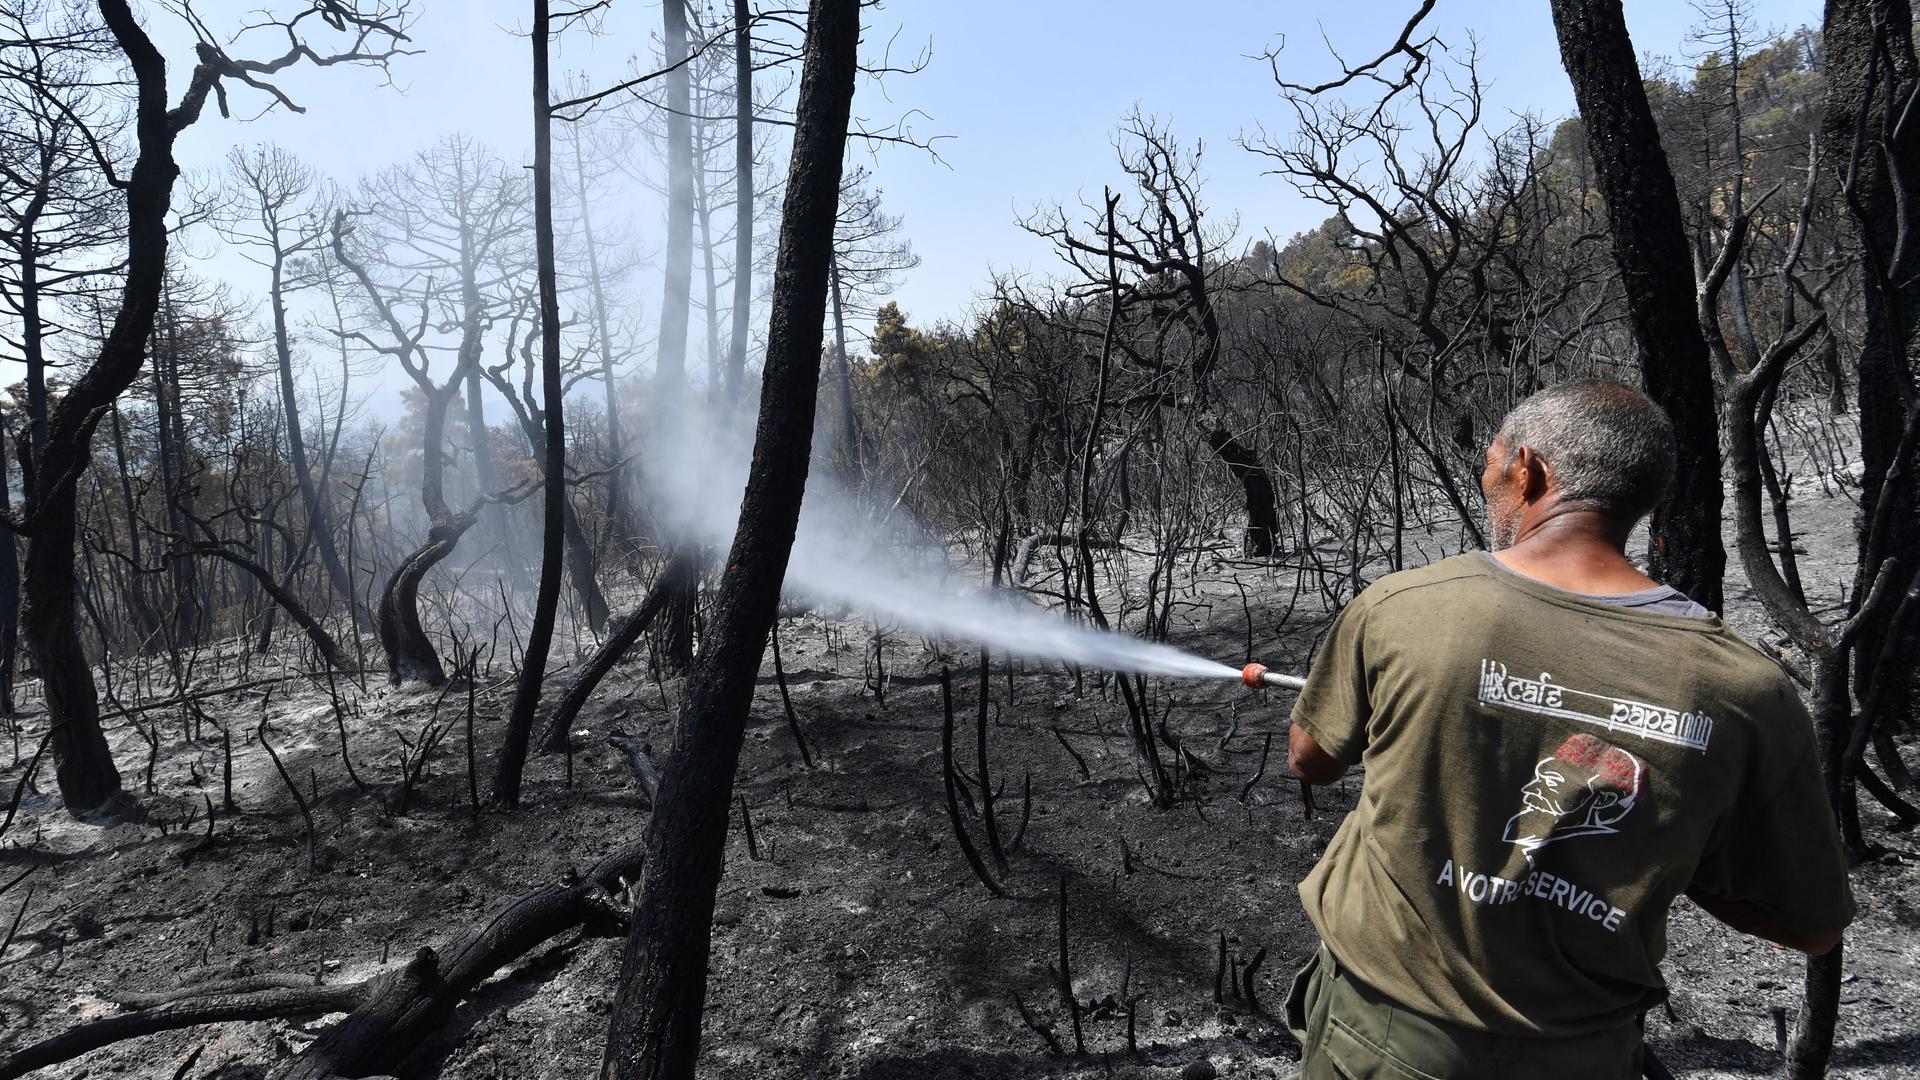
x,y
1029,94
1032,92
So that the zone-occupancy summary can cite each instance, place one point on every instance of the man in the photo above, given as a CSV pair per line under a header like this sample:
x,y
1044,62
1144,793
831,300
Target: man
x,y
1555,748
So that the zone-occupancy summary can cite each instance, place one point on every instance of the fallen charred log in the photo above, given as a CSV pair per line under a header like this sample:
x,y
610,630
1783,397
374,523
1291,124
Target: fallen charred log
x,y
388,1014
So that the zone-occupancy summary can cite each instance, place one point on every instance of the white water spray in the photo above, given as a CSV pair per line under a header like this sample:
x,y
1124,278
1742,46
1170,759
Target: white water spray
x,y
846,553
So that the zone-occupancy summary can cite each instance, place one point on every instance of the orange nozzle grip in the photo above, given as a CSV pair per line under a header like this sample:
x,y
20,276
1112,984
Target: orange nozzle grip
x,y
1252,673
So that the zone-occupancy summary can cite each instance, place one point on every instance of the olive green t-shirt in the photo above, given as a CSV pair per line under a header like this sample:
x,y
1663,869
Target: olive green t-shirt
x,y
1544,774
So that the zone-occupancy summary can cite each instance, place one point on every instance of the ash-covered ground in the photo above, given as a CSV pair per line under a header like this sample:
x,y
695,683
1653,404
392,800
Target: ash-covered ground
x,y
857,943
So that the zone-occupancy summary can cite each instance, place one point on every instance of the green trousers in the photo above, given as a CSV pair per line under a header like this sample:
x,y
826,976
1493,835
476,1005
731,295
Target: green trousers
x,y
1348,1031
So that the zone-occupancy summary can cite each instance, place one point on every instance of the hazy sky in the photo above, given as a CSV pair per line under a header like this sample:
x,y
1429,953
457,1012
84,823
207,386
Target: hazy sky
x,y
1029,93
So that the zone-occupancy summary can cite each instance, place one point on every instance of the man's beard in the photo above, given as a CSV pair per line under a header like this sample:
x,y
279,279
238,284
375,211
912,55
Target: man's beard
x,y
1503,529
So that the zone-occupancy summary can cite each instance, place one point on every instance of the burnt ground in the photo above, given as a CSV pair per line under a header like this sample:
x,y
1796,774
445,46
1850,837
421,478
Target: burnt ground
x,y
858,945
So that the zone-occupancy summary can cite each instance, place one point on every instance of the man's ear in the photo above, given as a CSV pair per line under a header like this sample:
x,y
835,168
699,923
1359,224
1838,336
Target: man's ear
x,y
1533,474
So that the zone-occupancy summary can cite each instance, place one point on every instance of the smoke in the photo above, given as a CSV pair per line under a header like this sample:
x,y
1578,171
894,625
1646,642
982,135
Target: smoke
x,y
849,552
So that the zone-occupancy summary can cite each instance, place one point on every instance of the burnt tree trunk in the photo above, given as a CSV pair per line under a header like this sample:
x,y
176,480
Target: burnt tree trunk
x,y
283,596
676,296
319,518
655,1029
9,588
851,465
553,463
1869,133
1263,505
676,299
736,374
32,329
619,516
169,437
409,651
388,1014
83,763
582,567
1650,248
709,279
405,1006
410,654
136,589
621,637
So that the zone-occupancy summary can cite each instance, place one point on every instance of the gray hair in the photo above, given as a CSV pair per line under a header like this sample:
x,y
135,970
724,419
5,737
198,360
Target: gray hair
x,y
1604,443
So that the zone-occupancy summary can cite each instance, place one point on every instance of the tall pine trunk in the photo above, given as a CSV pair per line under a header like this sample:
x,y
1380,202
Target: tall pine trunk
x,y
655,1028
851,465
533,663
32,330
619,516
169,435
9,587
320,519
676,299
736,374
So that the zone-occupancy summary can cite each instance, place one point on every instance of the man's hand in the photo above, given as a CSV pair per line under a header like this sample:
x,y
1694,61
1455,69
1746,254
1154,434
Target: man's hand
x,y
1749,919
1307,761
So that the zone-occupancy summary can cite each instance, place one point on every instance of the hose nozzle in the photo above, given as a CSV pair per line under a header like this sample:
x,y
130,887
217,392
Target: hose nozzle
x,y
1257,676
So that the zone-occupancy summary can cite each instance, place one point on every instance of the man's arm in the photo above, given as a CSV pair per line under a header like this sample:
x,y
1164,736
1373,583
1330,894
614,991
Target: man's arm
x,y
1307,761
1751,919
1774,866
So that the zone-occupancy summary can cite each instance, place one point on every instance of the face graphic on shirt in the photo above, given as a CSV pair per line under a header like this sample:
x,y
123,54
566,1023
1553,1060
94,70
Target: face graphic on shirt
x,y
1584,789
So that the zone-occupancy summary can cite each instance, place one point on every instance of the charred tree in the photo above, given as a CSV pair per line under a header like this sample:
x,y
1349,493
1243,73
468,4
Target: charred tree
x,y
1165,246
582,564
742,313
58,209
619,515
553,464
9,586
88,780
1873,149
676,295
621,637
330,652
171,441
655,1028
443,234
409,652
846,416
272,183
1650,247
83,763
868,255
